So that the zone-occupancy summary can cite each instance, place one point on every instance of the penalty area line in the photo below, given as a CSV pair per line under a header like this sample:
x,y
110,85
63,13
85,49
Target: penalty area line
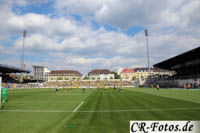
x,y
78,106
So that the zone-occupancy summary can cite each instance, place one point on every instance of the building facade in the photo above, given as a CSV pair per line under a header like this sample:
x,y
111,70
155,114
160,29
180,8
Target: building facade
x,y
143,73
101,74
163,72
127,74
61,75
40,73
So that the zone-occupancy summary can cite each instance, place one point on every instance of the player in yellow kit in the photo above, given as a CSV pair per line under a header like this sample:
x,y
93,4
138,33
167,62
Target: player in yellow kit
x,y
106,88
120,88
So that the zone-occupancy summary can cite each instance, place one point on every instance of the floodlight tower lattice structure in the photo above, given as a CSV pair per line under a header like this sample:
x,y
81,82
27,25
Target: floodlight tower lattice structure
x,y
22,61
148,60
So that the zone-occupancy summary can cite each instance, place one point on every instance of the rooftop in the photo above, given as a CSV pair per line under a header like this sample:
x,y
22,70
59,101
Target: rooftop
x,y
12,69
99,71
64,72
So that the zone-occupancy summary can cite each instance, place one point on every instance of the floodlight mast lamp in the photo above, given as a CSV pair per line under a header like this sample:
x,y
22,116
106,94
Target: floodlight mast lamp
x,y
148,60
22,61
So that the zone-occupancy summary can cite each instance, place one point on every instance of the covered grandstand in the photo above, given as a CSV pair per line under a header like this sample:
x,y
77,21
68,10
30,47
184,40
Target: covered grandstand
x,y
5,70
10,69
186,66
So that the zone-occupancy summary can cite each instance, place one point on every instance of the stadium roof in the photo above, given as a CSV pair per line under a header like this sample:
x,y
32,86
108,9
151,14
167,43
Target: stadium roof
x,y
183,59
11,69
99,71
65,72
128,70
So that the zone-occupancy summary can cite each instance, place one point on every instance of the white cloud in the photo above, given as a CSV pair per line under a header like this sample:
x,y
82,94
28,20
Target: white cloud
x,y
124,13
83,7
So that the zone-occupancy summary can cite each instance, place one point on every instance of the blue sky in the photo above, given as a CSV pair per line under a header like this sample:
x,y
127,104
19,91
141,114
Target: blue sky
x,y
87,34
38,8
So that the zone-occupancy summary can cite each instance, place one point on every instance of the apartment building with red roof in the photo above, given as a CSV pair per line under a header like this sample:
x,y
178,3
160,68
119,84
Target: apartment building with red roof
x,y
127,74
60,75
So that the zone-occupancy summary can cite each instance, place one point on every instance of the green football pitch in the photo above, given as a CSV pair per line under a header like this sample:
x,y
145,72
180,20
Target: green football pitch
x,y
44,111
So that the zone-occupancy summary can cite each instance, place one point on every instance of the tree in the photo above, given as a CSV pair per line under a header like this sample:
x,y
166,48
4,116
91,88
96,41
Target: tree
x,y
59,78
93,78
134,78
116,75
66,78
85,78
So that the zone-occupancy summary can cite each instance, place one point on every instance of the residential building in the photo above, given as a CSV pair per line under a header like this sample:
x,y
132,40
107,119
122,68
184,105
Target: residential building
x,y
40,73
101,74
60,75
143,73
140,73
163,72
127,74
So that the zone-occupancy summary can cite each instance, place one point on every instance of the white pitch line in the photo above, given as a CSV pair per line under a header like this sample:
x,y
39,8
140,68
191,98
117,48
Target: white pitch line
x,y
45,101
42,95
36,111
187,100
139,110
167,96
100,111
75,94
78,106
